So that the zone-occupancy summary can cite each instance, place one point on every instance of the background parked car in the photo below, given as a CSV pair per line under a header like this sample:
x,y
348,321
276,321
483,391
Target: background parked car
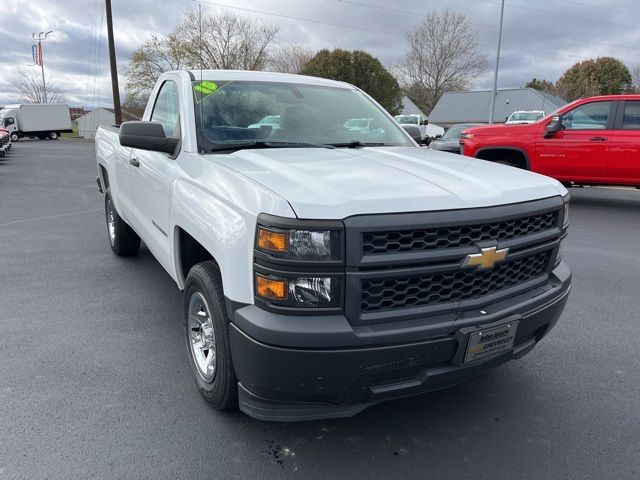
x,y
450,141
365,125
427,131
524,117
272,121
592,141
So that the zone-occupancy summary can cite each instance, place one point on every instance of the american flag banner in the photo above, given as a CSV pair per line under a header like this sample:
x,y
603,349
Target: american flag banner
x,y
36,53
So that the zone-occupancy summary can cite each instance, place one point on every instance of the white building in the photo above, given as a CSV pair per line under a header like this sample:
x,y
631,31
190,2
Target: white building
x,y
88,123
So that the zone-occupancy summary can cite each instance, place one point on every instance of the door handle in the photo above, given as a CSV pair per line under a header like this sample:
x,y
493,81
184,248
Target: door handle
x,y
598,139
134,161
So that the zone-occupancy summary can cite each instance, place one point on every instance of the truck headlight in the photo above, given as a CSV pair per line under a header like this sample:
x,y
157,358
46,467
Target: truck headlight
x,y
299,244
299,291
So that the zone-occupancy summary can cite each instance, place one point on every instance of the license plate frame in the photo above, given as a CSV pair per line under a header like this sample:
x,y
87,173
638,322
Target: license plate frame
x,y
489,342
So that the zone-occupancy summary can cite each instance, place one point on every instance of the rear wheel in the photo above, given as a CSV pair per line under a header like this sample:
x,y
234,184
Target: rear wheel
x,y
53,135
207,334
123,240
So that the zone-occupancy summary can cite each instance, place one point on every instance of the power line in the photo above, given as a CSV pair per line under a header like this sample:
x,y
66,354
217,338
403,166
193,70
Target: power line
x,y
290,17
608,9
554,14
386,32
518,30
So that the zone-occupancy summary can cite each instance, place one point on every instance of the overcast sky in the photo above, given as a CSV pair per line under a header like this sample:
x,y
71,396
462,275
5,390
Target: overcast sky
x,y
541,39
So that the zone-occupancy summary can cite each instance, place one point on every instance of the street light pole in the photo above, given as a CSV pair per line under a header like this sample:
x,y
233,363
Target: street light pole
x,y
42,36
495,75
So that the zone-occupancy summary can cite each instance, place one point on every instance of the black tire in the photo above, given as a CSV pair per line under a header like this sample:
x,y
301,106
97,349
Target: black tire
x,y
222,390
15,137
123,240
54,135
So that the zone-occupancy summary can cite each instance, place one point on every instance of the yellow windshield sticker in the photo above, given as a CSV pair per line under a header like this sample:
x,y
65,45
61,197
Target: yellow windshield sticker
x,y
203,89
206,87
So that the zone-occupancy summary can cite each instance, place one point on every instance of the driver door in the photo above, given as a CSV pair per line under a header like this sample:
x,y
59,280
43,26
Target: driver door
x,y
151,177
578,151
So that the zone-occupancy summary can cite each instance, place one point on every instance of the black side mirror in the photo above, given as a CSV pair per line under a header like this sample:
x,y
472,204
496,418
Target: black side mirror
x,y
555,125
147,136
414,131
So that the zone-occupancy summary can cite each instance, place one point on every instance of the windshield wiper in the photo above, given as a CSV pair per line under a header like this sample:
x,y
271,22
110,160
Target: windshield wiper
x,y
265,144
357,144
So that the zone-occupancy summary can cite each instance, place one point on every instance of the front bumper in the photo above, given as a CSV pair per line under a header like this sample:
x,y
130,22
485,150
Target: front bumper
x,y
306,368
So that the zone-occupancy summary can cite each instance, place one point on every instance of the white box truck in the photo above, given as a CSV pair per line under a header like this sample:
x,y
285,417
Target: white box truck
x,y
36,120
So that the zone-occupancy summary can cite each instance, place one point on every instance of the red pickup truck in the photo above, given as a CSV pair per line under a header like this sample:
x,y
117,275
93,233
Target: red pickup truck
x,y
592,141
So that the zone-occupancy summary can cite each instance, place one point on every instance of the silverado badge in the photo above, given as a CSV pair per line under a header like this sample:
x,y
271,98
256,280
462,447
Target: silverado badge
x,y
486,259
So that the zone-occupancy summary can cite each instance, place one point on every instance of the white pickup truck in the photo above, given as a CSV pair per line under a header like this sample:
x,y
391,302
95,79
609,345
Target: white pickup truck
x,y
326,269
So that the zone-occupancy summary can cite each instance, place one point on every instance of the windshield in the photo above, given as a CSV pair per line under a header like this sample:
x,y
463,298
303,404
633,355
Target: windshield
x,y
526,116
232,113
407,119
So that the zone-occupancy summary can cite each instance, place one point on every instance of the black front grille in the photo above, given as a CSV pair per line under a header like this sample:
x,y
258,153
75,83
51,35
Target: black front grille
x,y
435,288
458,236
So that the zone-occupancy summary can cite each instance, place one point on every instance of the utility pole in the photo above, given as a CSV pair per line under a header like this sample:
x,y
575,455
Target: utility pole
x,y
40,60
114,68
495,75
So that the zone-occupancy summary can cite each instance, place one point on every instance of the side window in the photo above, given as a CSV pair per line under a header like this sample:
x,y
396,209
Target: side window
x,y
167,109
631,119
590,116
8,121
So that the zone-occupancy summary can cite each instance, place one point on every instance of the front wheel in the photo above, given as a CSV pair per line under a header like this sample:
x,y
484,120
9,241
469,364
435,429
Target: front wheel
x,y
123,240
15,137
207,334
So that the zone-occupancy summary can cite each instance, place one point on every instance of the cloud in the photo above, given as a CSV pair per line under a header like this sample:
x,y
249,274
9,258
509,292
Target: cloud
x,y
540,39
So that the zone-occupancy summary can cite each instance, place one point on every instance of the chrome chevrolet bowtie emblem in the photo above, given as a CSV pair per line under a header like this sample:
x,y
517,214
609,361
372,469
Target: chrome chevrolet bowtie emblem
x,y
486,259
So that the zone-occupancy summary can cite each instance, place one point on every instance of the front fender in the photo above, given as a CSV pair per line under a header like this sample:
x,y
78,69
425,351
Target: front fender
x,y
223,221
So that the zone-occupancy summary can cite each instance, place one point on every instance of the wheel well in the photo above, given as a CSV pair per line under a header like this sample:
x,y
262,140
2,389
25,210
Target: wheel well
x,y
515,158
105,177
191,252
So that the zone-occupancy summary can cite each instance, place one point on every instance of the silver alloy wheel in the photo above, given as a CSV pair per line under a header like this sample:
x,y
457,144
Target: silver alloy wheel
x,y
202,341
111,222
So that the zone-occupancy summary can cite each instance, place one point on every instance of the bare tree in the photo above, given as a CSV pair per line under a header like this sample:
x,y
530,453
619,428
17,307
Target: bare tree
x,y
289,58
635,75
32,89
442,55
225,41
154,57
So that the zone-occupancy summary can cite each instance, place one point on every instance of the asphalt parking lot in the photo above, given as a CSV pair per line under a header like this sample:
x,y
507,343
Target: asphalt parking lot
x,y
95,381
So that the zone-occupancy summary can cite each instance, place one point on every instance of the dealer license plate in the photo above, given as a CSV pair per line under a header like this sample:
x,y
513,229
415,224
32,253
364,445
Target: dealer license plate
x,y
493,341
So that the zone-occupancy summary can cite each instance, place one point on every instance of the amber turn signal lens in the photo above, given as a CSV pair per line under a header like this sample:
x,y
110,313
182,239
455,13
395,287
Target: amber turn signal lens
x,y
273,241
273,289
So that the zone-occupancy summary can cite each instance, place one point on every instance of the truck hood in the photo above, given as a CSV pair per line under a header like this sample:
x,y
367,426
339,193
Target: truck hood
x,y
321,183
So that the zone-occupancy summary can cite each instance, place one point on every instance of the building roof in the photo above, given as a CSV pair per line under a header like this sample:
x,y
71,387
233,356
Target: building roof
x,y
463,107
410,108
